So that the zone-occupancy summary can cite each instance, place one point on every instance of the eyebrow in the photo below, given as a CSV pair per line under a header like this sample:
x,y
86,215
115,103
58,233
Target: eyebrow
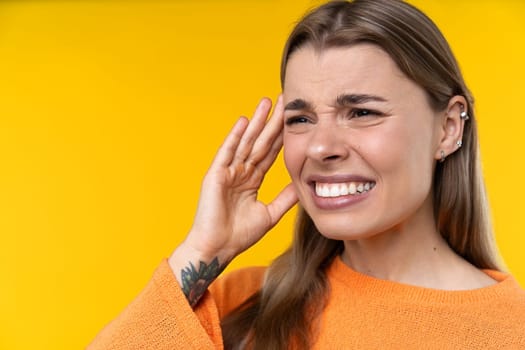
x,y
353,99
298,104
341,100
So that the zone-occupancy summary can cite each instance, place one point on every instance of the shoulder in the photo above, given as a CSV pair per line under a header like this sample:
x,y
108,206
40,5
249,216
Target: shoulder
x,y
233,288
507,286
503,303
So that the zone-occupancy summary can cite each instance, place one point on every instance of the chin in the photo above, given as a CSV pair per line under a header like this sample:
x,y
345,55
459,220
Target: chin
x,y
342,231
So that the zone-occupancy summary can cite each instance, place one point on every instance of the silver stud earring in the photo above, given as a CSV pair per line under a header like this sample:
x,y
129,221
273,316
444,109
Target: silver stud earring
x,y
442,156
464,116
459,143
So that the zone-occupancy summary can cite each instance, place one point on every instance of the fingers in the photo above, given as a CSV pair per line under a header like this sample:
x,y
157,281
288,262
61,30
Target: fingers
x,y
265,143
228,148
255,141
281,204
270,154
253,131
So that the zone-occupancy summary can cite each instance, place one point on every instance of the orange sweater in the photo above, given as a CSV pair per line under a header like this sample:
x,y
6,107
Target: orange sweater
x,y
362,313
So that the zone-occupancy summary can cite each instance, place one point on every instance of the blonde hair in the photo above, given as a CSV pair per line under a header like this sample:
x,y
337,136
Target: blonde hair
x,y
295,288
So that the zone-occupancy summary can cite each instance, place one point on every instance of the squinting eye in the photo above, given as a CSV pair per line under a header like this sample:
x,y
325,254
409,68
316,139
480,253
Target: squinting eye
x,y
362,112
296,120
357,113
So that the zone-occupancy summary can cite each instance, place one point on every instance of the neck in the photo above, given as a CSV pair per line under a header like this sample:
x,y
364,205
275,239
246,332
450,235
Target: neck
x,y
400,254
413,253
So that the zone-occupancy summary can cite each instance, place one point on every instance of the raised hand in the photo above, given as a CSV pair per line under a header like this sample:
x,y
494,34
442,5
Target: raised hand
x,y
229,217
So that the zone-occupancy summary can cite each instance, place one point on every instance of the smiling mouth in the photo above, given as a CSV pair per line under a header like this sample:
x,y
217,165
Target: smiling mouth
x,y
327,190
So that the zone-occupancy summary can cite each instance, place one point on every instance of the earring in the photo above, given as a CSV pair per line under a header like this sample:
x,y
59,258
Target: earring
x,y
442,156
463,115
459,143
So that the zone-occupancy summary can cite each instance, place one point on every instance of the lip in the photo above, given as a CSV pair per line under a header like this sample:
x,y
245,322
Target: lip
x,y
333,203
337,178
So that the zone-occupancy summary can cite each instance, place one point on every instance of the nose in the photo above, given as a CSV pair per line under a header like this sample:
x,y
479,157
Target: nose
x,y
326,144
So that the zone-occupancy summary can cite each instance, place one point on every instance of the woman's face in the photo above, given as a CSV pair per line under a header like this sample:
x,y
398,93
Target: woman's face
x,y
360,141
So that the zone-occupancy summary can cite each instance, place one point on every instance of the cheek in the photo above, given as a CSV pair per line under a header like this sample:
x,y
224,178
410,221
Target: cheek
x,y
396,144
383,150
403,159
289,155
293,154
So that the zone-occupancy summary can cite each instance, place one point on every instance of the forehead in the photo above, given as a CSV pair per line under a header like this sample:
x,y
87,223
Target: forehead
x,y
362,68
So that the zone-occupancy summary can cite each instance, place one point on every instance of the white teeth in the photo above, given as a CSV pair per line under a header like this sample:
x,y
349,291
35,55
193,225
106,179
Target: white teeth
x,y
325,192
342,189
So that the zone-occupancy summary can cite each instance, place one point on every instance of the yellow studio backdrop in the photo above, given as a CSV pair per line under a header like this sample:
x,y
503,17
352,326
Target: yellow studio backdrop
x,y
111,111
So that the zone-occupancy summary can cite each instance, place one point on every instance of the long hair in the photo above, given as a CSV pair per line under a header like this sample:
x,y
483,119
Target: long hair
x,y
295,287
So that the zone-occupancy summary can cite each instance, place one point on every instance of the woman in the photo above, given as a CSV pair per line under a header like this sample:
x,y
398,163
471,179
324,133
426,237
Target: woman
x,y
393,246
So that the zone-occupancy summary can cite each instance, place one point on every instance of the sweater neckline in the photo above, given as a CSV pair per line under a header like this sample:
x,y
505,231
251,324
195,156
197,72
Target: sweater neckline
x,y
368,286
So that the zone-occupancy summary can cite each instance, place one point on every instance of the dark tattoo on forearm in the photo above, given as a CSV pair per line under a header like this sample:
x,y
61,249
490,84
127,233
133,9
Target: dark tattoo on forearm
x,y
195,283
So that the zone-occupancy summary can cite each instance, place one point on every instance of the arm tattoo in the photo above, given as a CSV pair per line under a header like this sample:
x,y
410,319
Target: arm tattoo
x,y
195,283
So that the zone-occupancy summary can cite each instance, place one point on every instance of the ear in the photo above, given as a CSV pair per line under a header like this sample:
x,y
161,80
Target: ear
x,y
450,128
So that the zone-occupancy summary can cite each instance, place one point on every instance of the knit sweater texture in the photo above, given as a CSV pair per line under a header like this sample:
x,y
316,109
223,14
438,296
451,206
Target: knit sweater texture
x,y
362,313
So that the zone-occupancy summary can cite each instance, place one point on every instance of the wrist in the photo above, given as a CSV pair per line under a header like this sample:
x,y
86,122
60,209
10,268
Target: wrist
x,y
194,271
197,244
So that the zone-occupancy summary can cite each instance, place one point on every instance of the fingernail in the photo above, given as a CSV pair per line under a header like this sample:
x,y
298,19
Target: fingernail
x,y
265,101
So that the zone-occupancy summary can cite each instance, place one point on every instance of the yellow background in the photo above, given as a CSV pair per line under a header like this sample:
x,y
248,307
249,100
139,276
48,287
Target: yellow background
x,y
110,112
